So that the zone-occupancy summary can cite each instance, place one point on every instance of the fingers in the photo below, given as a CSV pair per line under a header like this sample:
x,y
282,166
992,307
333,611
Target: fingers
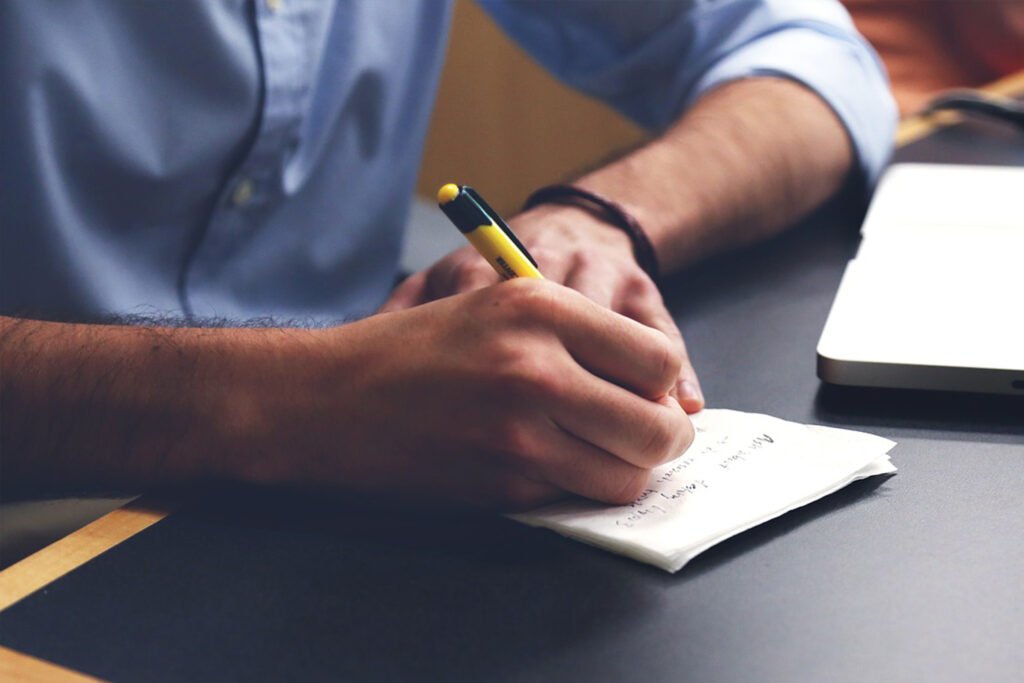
x,y
554,264
460,271
638,431
465,271
579,467
617,348
637,298
644,304
593,279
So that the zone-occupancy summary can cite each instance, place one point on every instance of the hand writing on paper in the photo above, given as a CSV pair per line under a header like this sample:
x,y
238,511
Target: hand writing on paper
x,y
576,249
508,396
503,397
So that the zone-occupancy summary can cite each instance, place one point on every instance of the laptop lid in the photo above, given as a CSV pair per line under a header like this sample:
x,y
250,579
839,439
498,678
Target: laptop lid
x,y
934,298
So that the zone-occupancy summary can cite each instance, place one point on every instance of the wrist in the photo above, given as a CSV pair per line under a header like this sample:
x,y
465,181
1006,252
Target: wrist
x,y
606,210
295,407
262,393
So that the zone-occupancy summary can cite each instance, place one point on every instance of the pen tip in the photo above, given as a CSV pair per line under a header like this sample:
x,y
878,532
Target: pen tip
x,y
447,193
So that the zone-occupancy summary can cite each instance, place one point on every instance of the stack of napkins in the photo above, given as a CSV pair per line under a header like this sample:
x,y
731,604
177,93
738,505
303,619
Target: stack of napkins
x,y
741,470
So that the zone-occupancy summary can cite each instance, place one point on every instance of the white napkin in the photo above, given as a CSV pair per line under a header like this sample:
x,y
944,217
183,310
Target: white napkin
x,y
742,469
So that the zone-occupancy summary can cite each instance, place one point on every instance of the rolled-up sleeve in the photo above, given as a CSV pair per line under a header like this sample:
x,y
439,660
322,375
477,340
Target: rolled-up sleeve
x,y
650,59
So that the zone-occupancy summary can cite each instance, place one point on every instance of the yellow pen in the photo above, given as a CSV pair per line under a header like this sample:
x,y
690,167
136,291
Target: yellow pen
x,y
487,232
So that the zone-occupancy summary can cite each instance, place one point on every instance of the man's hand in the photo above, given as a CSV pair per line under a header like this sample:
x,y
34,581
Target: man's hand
x,y
576,249
509,396
504,397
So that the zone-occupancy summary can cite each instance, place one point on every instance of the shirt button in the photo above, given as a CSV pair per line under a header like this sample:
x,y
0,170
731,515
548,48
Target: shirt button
x,y
242,193
274,5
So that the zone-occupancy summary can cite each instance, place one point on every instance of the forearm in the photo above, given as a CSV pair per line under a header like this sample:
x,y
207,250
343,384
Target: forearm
x,y
508,396
748,160
123,407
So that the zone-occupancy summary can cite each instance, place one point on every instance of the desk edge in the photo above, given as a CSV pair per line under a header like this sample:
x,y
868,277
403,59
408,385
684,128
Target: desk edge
x,y
15,666
67,554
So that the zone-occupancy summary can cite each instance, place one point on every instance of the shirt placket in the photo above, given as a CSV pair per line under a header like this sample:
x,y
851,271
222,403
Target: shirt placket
x,y
282,32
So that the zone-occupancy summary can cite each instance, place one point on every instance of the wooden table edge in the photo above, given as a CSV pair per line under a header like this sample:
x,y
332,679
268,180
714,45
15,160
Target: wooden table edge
x,y
15,666
61,557
40,569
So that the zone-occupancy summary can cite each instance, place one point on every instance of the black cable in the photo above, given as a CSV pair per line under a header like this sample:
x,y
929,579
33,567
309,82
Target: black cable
x,y
975,103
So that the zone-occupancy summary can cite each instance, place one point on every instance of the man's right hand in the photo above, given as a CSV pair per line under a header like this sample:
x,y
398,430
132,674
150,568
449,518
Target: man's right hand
x,y
505,397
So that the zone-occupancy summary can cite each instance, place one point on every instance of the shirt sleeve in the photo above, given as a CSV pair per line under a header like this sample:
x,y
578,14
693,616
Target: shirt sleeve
x,y
650,59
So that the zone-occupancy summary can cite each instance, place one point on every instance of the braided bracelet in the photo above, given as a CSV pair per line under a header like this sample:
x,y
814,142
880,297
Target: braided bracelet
x,y
607,210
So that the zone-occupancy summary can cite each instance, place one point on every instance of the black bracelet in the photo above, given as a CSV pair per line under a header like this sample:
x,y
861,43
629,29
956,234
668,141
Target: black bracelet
x,y
607,210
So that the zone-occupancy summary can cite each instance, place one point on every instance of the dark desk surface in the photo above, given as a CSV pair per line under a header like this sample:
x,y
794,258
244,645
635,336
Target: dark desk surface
x,y
916,577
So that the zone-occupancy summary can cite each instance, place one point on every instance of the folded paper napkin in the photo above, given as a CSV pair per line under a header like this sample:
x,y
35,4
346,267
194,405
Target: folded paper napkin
x,y
741,470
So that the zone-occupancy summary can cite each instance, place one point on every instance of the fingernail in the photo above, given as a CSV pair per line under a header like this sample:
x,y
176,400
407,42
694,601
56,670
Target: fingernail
x,y
689,391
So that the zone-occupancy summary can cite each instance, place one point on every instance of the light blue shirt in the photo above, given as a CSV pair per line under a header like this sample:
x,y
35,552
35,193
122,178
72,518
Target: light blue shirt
x,y
241,159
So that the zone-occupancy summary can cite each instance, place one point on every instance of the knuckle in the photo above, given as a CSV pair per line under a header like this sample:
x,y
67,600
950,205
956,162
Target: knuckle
x,y
530,301
547,257
670,360
630,486
516,443
525,371
536,384
467,275
686,435
585,260
659,441
682,435
507,355
641,285
438,278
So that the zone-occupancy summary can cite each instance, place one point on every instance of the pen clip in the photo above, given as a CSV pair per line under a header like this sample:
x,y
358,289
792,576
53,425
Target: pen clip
x,y
497,220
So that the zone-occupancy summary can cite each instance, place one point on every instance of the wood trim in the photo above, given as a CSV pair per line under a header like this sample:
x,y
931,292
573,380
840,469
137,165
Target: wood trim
x,y
15,666
57,559
915,127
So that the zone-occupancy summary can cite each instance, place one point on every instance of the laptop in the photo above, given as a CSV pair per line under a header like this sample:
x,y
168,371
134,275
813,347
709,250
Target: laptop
x,y
934,298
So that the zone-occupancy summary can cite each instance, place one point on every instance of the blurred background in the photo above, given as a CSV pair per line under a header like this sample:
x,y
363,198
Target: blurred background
x,y
499,116
491,91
